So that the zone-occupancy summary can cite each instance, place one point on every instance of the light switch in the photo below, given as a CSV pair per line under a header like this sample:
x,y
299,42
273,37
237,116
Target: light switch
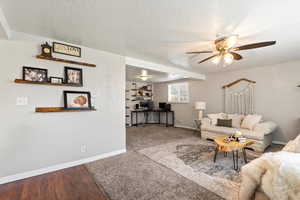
x,y
19,101
22,101
25,101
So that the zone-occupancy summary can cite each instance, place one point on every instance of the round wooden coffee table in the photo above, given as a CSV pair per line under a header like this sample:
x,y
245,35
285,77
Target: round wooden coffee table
x,y
232,146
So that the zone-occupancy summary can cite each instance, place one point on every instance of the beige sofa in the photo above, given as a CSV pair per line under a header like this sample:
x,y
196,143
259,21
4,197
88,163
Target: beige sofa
x,y
273,176
261,133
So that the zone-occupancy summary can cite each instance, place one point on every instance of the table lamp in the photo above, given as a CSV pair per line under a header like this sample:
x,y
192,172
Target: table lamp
x,y
201,106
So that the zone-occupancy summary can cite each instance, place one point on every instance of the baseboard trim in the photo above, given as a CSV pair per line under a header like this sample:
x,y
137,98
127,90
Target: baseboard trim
x,y
37,172
278,142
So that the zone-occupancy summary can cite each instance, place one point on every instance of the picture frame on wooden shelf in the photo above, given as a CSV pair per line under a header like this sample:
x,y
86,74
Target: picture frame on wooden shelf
x,y
35,74
77,100
66,49
73,76
58,80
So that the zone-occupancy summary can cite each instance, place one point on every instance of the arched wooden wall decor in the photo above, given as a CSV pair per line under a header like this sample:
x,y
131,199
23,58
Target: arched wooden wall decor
x,y
239,99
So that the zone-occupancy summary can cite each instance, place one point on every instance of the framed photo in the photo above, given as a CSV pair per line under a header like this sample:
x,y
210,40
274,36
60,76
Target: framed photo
x,y
73,76
53,79
66,49
35,74
77,100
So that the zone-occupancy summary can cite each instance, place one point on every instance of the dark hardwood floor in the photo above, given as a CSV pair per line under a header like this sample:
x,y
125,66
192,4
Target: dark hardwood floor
x,y
74,183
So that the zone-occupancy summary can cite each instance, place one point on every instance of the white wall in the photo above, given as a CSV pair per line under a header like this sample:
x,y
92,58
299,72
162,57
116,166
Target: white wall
x,y
5,31
276,96
29,140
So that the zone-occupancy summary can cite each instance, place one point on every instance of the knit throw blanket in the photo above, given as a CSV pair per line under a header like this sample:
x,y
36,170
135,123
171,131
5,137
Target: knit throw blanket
x,y
276,174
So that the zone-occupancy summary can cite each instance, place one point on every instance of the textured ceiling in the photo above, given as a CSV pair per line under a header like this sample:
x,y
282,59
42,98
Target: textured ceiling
x,y
162,30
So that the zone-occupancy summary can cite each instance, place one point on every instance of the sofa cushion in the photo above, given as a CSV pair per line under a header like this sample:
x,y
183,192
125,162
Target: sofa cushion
x,y
252,134
219,129
250,121
236,120
214,117
265,127
229,131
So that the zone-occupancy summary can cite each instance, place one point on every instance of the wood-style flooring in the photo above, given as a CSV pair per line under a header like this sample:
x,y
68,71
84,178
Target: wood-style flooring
x,y
74,183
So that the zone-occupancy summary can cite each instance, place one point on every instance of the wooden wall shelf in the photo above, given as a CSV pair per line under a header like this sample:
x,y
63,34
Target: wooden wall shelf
x,y
60,109
141,90
45,83
66,61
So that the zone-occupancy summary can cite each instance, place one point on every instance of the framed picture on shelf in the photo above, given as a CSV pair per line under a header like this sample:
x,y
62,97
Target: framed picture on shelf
x,y
66,49
53,79
35,74
73,76
77,100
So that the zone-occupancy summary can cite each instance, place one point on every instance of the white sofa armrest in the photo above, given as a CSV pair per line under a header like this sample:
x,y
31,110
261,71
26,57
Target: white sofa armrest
x,y
205,122
265,127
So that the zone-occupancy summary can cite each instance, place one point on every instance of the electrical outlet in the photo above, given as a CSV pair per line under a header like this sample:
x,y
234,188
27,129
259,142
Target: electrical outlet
x,y
83,148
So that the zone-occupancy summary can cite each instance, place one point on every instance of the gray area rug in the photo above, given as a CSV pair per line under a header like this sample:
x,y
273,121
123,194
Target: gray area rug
x,y
193,159
200,158
132,176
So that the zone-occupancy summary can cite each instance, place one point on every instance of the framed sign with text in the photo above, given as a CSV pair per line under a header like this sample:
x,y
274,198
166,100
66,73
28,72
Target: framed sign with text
x,y
66,49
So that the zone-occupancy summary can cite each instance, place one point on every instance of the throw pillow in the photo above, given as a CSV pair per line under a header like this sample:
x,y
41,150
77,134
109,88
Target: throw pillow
x,y
293,146
224,122
250,121
236,120
214,117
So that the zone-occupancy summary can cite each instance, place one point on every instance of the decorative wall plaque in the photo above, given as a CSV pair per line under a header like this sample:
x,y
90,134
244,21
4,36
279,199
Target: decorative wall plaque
x,y
66,49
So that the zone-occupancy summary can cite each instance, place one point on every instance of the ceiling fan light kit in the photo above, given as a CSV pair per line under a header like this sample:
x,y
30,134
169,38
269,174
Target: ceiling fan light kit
x,y
144,75
226,42
228,58
225,47
216,60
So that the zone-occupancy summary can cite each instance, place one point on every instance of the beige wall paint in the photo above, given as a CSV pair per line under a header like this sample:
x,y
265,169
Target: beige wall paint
x,y
276,96
31,141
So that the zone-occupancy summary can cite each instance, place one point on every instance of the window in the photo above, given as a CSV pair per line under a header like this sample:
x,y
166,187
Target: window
x,y
178,93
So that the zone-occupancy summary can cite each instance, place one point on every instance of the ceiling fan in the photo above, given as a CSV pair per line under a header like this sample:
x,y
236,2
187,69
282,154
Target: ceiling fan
x,y
226,49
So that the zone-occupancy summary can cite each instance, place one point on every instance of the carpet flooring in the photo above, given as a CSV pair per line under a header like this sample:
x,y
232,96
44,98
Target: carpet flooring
x,y
162,164
151,135
134,176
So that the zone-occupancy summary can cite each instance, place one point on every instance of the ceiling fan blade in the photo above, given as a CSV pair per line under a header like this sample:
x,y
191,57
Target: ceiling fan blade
x,y
254,45
208,58
195,52
236,56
